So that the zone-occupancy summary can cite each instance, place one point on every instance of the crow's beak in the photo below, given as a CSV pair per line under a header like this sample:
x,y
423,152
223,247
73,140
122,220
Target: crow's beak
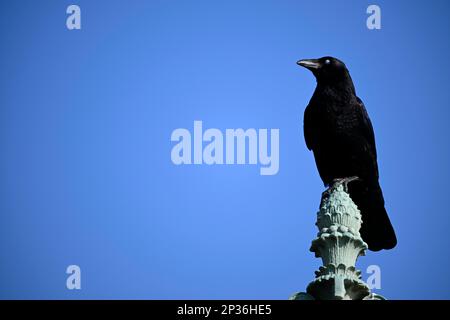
x,y
311,64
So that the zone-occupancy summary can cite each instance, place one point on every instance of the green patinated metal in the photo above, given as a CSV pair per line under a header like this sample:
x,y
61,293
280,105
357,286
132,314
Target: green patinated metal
x,y
338,244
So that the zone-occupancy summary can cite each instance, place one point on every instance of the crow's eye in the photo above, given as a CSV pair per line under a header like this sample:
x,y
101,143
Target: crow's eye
x,y
327,61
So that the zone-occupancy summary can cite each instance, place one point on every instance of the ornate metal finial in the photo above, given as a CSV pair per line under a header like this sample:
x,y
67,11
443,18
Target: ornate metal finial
x,y
339,244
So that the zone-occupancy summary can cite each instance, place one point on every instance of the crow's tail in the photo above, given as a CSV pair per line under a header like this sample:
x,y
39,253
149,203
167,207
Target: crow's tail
x,y
376,229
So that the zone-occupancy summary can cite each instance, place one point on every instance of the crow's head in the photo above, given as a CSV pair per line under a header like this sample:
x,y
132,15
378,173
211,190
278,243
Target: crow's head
x,y
326,69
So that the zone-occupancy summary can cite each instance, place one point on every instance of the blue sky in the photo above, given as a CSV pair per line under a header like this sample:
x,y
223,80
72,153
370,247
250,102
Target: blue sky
x,y
86,118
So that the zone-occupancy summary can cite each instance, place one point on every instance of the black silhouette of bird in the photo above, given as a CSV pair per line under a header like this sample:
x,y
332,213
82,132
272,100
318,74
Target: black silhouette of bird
x,y
338,130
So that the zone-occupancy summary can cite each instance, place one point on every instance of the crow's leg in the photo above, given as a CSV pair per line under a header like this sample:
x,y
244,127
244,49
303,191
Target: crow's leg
x,y
344,182
336,182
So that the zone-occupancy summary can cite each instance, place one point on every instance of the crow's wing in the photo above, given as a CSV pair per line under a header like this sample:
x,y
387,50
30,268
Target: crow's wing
x,y
366,127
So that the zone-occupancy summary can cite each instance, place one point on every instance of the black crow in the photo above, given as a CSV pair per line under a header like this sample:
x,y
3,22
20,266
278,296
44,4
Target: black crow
x,y
338,130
